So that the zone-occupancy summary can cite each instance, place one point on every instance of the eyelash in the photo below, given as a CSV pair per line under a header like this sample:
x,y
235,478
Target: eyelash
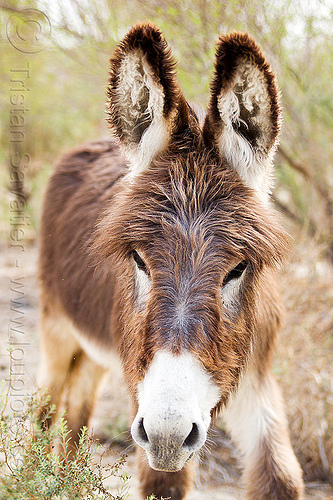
x,y
235,273
139,262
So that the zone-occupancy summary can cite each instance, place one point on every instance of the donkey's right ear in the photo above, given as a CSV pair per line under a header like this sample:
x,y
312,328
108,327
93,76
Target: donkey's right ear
x,y
143,95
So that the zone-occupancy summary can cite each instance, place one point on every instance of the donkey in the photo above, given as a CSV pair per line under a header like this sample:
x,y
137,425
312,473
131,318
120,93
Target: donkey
x,y
161,245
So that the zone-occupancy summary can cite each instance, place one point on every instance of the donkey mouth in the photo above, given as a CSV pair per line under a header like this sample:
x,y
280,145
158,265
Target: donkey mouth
x,y
171,463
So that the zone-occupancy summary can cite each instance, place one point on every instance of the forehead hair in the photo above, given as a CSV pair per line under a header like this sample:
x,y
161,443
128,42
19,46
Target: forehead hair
x,y
190,199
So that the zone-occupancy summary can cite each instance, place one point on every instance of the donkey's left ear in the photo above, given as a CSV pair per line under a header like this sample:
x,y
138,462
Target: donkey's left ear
x,y
144,99
243,118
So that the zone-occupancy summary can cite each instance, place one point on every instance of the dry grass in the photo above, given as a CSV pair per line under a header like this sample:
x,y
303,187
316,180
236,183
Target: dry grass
x,y
304,361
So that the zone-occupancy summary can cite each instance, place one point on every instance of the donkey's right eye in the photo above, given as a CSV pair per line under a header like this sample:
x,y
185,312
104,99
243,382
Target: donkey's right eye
x,y
139,262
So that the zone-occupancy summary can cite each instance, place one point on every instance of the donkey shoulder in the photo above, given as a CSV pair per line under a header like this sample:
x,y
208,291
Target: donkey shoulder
x,y
82,185
98,164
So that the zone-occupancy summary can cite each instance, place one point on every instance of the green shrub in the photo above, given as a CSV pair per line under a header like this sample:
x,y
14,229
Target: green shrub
x,y
30,468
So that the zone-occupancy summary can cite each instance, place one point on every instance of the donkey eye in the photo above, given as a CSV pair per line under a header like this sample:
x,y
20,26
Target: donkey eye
x,y
139,262
236,272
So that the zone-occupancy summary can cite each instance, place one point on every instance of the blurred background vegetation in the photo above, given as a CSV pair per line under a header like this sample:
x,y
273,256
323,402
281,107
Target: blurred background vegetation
x,y
65,106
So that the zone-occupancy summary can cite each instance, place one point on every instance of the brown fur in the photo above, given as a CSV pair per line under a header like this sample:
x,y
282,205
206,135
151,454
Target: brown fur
x,y
148,41
165,485
267,481
272,471
193,220
78,191
190,211
233,50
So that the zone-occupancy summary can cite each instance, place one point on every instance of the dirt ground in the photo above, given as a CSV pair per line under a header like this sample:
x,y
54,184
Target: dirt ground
x,y
218,475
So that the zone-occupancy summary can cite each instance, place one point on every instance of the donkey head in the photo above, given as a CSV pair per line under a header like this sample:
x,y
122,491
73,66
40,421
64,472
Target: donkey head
x,y
189,234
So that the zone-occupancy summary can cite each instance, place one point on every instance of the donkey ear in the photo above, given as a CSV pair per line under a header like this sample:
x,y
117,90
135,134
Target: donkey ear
x,y
243,118
143,94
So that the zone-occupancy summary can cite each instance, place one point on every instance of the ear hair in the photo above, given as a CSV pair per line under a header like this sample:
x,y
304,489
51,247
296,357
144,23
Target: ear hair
x,y
143,94
243,118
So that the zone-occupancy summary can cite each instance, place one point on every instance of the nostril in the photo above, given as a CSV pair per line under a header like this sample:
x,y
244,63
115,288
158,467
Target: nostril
x,y
142,432
193,436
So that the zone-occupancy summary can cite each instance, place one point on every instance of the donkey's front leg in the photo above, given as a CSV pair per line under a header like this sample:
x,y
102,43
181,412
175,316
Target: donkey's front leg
x,y
256,420
170,485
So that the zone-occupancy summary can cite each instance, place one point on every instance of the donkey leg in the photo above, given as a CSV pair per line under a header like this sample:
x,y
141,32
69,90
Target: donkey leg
x,y
171,485
57,350
82,387
256,420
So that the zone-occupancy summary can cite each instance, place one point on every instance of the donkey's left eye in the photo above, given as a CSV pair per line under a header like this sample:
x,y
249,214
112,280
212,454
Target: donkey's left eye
x,y
139,262
235,273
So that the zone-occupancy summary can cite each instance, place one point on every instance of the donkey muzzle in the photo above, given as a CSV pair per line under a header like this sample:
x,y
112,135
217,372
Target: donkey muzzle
x,y
175,400
169,441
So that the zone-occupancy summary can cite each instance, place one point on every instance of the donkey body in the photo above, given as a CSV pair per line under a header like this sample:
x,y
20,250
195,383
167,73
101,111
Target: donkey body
x,y
165,252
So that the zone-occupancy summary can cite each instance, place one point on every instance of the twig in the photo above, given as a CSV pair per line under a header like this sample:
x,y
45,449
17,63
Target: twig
x,y
322,453
302,169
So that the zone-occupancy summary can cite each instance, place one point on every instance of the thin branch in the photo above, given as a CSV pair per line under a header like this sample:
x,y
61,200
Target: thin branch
x,y
9,8
305,172
294,164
